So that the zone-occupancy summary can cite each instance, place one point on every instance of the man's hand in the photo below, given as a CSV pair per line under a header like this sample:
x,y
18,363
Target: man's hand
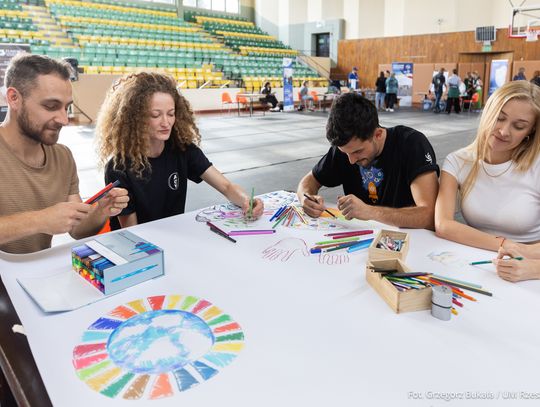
x,y
352,207
313,207
63,217
113,203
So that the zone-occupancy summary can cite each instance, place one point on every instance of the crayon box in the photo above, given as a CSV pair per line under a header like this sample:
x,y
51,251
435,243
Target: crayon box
x,y
115,261
399,301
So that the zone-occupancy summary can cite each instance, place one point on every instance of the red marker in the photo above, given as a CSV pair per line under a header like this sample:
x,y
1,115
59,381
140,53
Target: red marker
x,y
102,193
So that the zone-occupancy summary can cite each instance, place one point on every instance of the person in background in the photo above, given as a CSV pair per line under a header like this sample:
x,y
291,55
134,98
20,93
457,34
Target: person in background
x,y
453,92
438,81
148,139
391,91
305,98
536,78
380,92
334,87
353,79
269,97
520,76
496,177
477,84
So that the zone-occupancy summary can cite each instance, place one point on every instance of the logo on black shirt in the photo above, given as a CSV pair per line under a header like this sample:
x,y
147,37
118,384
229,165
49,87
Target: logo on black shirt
x,y
173,181
428,158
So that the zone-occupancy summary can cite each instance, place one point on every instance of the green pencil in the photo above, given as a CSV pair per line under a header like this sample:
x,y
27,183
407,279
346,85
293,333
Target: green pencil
x,y
476,263
250,213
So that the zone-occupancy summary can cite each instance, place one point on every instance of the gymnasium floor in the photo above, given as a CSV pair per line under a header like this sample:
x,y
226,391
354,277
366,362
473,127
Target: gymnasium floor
x,y
274,151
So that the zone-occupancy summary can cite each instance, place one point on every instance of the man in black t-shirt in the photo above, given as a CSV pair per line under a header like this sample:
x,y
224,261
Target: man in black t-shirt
x,y
388,174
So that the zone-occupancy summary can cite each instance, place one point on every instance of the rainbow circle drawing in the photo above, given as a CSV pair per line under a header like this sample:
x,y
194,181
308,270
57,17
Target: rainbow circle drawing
x,y
156,347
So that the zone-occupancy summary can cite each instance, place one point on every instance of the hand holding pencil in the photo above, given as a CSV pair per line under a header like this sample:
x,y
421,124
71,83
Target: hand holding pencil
x,y
516,268
252,208
314,206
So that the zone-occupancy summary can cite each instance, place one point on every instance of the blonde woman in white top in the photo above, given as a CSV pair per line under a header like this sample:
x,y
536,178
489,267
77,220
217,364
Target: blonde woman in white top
x,y
496,177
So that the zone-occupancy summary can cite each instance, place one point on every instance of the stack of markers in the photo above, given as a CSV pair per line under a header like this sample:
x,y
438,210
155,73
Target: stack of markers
x,y
90,265
387,243
287,215
349,240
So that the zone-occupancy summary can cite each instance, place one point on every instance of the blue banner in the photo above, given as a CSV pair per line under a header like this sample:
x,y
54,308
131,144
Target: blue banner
x,y
404,76
288,96
498,74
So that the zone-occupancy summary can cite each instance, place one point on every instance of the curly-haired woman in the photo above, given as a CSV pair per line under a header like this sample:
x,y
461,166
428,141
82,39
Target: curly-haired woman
x,y
149,141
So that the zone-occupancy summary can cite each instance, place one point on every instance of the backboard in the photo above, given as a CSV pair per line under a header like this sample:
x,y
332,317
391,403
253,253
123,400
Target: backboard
x,y
525,22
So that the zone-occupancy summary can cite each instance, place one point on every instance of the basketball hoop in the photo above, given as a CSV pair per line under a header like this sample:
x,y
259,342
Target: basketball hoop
x,y
532,35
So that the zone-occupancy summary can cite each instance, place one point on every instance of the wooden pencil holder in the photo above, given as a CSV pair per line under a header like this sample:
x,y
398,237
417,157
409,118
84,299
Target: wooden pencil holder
x,y
377,253
399,301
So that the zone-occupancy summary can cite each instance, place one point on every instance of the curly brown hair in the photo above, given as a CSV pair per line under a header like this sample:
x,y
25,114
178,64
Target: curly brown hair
x,y
122,123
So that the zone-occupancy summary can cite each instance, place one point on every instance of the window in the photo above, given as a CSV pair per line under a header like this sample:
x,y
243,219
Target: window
x,y
218,5
204,4
230,6
161,1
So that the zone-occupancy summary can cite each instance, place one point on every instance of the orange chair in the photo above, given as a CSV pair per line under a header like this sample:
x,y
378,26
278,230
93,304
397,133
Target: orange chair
x,y
471,101
226,100
241,100
316,98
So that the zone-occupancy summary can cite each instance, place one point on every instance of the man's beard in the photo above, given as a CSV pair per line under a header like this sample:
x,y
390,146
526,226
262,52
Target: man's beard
x,y
30,131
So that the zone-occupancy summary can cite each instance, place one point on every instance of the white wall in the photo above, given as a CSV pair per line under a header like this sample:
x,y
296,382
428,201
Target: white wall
x,y
383,18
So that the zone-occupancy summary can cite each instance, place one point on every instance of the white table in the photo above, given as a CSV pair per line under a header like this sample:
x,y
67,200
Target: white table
x,y
315,334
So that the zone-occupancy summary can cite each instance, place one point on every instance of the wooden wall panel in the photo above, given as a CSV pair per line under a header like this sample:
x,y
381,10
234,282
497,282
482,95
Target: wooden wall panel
x,y
448,48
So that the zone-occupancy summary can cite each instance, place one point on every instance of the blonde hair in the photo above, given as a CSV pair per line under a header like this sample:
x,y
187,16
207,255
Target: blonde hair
x,y
524,155
123,120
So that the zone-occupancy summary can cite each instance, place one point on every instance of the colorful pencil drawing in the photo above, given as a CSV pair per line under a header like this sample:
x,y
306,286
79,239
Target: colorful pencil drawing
x,y
447,258
333,258
285,249
156,347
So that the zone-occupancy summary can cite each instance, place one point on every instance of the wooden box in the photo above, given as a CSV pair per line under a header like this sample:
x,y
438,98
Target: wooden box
x,y
399,301
376,253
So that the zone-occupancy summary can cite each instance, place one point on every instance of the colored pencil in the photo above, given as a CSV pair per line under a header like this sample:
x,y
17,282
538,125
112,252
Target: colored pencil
x,y
215,227
251,232
341,246
102,193
351,232
277,213
456,281
454,311
250,212
218,232
464,286
363,244
314,200
457,302
346,239
476,263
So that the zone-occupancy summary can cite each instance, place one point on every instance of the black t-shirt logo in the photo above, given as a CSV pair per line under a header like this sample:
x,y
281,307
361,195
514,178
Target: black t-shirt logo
x,y
173,181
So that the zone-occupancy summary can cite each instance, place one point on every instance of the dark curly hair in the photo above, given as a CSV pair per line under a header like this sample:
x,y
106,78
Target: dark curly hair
x,y
351,116
122,123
